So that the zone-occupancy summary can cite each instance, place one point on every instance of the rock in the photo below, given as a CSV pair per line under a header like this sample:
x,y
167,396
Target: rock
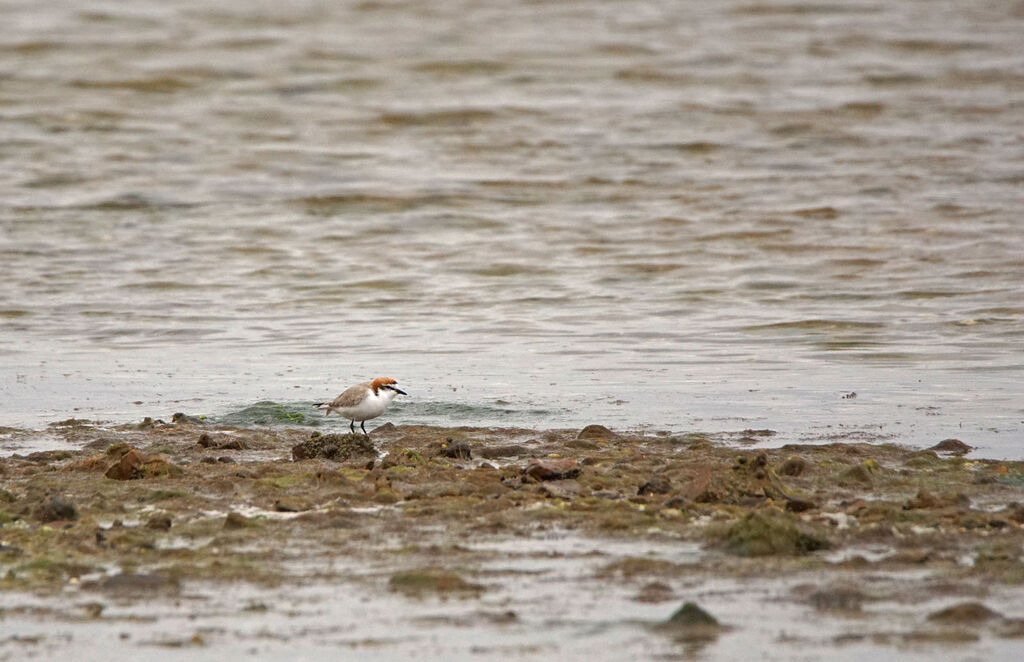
x,y
858,475
923,500
596,432
459,450
552,469
952,446
764,534
655,485
692,624
160,522
134,465
180,418
289,505
139,583
129,467
232,445
794,466
432,580
1015,512
655,592
800,505
837,599
964,613
691,614
236,521
337,447
205,441
55,510
561,489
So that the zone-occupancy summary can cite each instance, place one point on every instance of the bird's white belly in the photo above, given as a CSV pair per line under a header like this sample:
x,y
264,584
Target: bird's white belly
x,y
370,407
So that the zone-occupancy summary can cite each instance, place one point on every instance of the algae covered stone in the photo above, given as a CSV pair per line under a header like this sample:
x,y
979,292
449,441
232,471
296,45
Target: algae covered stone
x,y
766,534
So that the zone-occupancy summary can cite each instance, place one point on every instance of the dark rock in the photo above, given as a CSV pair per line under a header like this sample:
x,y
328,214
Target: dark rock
x,y
952,446
965,612
232,445
206,441
289,505
552,469
794,466
692,624
691,614
765,534
800,505
596,432
337,447
459,450
55,510
656,485
209,460
159,522
226,459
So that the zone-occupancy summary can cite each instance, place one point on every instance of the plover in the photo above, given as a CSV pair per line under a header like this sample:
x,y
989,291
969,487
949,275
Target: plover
x,y
363,401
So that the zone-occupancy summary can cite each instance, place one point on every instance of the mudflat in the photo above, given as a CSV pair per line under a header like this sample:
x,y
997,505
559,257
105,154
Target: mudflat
x,y
468,542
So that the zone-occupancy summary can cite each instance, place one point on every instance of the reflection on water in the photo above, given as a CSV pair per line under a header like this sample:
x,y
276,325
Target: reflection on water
x,y
677,214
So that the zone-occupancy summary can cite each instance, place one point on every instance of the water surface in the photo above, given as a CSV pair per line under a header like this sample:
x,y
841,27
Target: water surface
x,y
668,215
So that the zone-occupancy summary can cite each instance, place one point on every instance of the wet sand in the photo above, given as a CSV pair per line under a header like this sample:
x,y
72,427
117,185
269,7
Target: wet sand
x,y
471,542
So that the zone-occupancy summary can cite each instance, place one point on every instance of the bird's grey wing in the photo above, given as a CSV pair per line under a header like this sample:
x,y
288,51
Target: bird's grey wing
x,y
351,397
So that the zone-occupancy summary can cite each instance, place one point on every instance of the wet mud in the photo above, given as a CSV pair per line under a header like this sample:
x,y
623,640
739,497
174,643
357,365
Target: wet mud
x,y
524,543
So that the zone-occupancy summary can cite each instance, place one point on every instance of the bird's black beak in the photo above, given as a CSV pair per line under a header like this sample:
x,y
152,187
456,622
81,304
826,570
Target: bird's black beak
x,y
397,390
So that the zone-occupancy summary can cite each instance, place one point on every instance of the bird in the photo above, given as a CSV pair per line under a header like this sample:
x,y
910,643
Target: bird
x,y
363,401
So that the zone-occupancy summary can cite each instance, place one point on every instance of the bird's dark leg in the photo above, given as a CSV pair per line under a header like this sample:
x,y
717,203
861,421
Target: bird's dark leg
x,y
363,425
352,426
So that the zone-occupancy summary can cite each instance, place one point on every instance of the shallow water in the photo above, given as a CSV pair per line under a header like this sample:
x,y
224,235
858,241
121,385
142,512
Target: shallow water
x,y
671,215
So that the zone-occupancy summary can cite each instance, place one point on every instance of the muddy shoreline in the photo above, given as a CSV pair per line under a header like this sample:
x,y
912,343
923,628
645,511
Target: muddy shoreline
x,y
517,542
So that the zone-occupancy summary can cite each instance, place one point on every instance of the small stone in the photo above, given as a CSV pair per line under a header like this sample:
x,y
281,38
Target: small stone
x,y
459,450
236,521
799,505
858,475
794,466
655,485
952,446
965,612
232,445
689,615
288,505
55,510
923,500
159,522
597,432
552,469
655,592
765,534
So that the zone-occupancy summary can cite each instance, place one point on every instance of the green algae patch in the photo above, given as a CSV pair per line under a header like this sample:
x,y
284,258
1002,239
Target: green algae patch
x,y
763,534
